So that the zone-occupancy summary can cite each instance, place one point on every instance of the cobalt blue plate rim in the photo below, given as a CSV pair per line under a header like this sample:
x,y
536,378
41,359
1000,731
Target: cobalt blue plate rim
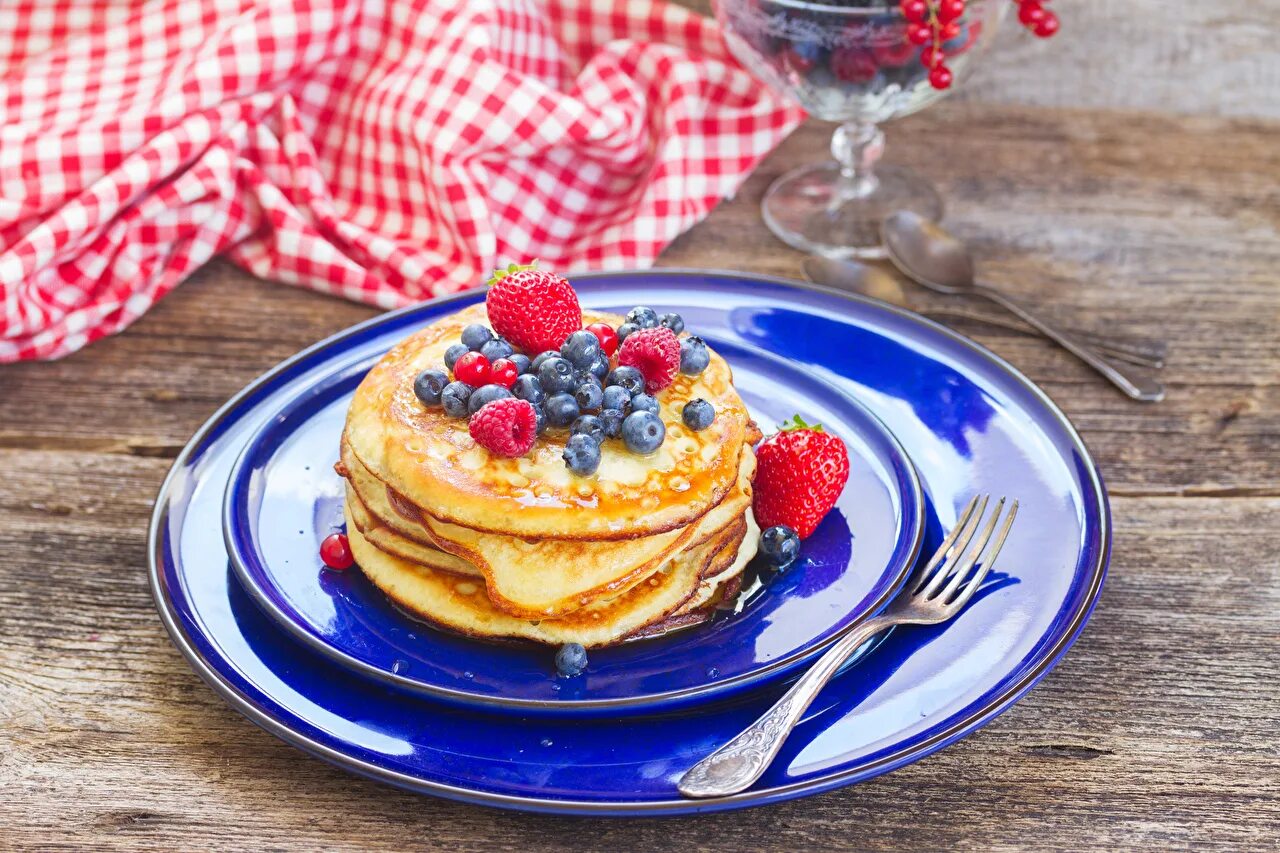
x,y
248,564
1066,627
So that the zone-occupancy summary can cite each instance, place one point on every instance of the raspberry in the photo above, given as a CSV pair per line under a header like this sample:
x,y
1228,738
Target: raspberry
x,y
533,309
655,353
505,427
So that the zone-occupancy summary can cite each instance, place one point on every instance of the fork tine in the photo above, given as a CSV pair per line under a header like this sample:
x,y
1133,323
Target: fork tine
x,y
922,575
972,586
957,549
971,557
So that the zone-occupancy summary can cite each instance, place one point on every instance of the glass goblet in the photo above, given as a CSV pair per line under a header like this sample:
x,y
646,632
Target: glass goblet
x,y
852,63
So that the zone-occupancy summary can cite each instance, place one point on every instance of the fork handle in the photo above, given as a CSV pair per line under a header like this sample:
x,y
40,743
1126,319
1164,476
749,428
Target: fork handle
x,y
1136,384
739,763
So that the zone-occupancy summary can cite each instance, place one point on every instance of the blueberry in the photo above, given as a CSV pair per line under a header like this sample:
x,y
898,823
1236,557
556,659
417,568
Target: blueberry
x,y
475,336
698,414
580,348
540,417
626,329
486,394
528,387
616,398
611,422
429,385
571,659
628,378
562,409
644,403
582,453
453,353
674,322
599,367
542,357
780,545
521,361
589,396
645,318
590,425
556,376
586,377
643,432
454,397
496,349
694,355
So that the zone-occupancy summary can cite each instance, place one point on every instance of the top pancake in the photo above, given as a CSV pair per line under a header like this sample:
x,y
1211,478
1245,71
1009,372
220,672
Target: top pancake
x,y
432,460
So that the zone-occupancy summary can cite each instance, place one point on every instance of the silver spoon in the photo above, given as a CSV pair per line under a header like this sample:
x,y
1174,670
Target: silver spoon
x,y
868,280
928,255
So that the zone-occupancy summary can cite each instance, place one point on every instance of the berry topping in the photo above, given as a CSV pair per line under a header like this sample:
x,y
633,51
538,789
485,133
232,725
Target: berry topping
x,y
455,397
505,427
527,387
562,410
335,552
655,353
521,361
429,386
453,353
780,545
599,367
581,349
644,403
627,378
606,335
473,369
672,321
694,355
643,432
534,309
589,424
496,349
611,422
476,336
571,660
698,414
616,398
801,472
582,453
503,372
626,329
486,394
543,357
541,412
556,376
589,396
645,318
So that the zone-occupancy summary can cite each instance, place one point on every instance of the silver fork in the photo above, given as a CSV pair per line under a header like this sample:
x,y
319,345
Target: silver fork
x,y
934,594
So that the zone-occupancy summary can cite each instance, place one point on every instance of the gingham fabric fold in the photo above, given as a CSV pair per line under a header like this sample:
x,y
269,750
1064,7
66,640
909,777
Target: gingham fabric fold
x,y
383,150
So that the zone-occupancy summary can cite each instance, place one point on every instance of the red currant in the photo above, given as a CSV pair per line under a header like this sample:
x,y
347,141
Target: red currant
x,y
932,56
1031,13
893,55
607,335
335,551
503,372
473,369
1047,26
919,33
916,11
940,77
949,10
949,30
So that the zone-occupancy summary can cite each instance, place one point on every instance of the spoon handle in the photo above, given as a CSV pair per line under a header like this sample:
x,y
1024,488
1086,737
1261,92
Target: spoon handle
x,y
1134,383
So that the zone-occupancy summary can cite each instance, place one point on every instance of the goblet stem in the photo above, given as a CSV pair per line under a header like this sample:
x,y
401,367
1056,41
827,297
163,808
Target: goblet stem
x,y
856,146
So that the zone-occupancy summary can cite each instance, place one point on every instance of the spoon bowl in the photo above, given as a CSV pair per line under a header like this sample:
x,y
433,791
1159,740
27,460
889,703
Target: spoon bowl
x,y
925,252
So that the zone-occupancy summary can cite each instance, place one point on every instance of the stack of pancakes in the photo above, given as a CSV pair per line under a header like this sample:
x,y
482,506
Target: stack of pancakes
x,y
498,547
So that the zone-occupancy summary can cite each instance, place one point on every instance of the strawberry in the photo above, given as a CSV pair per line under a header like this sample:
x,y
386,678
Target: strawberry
x,y
534,309
505,427
655,353
800,475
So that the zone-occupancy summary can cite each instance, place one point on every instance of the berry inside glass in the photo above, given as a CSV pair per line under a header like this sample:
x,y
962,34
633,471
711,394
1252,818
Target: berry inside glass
x,y
858,63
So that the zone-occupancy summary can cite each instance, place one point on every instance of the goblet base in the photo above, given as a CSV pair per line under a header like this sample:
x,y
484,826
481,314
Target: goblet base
x,y
813,209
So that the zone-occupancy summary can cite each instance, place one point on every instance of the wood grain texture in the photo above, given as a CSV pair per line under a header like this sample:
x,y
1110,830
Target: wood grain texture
x,y
1158,731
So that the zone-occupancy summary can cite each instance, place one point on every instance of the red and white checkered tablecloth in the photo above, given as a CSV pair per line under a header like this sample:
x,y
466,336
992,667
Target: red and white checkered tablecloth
x,y
382,150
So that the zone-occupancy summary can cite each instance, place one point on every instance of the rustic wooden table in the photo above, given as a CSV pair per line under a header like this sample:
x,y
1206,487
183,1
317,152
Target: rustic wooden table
x,y
1159,729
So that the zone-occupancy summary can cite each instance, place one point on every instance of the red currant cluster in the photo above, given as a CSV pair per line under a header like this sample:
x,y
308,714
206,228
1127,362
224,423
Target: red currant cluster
x,y
931,23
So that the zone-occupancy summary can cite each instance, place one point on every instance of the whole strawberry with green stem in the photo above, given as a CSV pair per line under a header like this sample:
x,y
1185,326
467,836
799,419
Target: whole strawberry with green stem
x,y
801,471
533,309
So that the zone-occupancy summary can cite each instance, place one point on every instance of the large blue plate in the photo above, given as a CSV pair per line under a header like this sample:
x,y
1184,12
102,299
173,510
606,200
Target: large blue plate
x,y
283,498
968,420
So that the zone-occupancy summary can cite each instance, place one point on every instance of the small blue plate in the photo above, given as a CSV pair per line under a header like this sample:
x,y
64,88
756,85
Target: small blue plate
x,y
969,421
283,498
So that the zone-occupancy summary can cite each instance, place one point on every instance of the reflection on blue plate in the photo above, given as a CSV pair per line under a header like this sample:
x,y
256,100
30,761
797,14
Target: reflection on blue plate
x,y
283,498
968,421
